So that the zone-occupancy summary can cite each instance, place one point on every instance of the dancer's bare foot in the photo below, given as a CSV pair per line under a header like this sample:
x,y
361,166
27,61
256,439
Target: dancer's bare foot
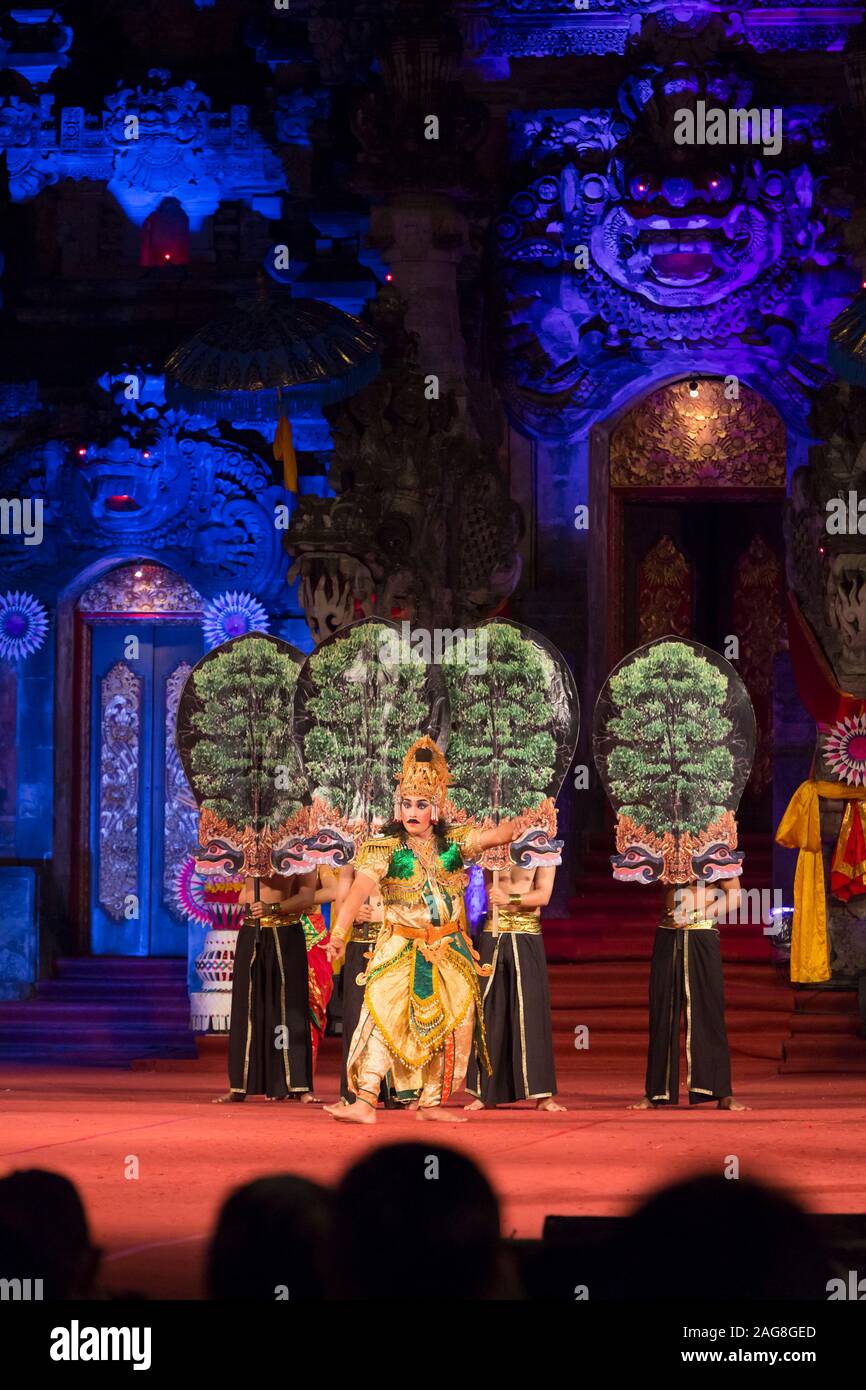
x,y
340,1104
730,1104
548,1103
642,1105
477,1105
229,1096
358,1114
435,1112
307,1098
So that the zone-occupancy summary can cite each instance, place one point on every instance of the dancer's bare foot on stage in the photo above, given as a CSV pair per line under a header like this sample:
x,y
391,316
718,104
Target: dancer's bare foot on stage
x,y
548,1103
340,1104
478,1105
730,1104
307,1098
643,1105
358,1114
229,1095
435,1112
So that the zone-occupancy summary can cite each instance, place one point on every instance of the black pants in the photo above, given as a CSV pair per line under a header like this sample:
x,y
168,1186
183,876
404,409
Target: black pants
x,y
354,964
270,1048
517,1021
686,977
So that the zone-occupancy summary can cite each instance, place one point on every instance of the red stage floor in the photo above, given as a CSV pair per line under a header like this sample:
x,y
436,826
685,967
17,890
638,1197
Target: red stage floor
x,y
805,1131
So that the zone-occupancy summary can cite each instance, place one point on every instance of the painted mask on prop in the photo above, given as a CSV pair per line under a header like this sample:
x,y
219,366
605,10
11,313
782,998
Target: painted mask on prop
x,y
674,739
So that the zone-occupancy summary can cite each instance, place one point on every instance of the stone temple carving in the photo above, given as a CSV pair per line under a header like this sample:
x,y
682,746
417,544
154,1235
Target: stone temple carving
x,y
624,243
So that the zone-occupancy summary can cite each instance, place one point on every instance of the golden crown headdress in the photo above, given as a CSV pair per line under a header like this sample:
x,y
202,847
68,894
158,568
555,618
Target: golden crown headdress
x,y
425,772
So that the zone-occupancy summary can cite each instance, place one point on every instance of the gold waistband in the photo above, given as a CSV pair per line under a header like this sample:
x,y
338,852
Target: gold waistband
x,y
271,919
525,922
703,925
366,932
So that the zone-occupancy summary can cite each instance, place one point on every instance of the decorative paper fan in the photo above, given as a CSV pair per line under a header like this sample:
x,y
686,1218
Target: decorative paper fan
x,y
844,747
203,898
232,615
23,625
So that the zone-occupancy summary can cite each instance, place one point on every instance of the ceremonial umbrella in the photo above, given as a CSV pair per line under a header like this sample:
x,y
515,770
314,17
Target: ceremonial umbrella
x,y
267,355
847,345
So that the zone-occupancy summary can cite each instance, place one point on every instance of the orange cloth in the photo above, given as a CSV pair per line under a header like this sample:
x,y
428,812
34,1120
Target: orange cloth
x,y
848,870
284,451
800,828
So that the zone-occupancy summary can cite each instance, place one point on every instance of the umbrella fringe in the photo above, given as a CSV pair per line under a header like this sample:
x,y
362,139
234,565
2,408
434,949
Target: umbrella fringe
x,y
267,403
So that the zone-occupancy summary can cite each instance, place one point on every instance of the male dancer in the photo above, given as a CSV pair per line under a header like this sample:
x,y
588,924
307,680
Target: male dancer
x,y
517,995
686,976
422,1003
270,1044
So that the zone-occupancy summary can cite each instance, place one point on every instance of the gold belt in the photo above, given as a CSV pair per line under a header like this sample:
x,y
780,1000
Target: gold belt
x,y
271,919
366,932
688,926
525,922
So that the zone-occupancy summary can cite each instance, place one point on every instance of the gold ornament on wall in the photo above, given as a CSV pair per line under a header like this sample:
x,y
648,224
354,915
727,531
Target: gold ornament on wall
x,y
678,438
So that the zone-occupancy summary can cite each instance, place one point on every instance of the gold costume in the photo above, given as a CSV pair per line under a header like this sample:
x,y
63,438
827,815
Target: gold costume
x,y
421,1006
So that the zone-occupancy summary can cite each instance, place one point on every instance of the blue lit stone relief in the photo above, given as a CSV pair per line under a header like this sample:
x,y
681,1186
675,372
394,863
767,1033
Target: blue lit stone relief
x,y
619,263
155,483
149,142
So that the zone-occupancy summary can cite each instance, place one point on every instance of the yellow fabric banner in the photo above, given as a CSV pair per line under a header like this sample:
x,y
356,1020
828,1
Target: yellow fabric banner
x,y
800,828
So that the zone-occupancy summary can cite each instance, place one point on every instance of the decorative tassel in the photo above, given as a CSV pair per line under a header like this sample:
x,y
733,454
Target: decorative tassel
x,y
284,451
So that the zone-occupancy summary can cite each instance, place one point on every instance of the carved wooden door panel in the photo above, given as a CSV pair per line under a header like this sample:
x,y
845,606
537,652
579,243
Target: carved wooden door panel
x,y
712,570
141,826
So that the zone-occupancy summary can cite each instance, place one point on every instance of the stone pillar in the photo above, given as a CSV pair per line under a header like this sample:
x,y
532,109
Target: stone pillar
x,y
422,238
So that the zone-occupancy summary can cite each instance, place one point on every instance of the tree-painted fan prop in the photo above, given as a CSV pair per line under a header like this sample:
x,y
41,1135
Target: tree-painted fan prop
x,y
674,740
363,698
515,718
236,740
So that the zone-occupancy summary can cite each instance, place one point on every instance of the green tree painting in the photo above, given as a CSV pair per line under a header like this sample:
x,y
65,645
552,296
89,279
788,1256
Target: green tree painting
x,y
501,753
671,767
366,713
245,762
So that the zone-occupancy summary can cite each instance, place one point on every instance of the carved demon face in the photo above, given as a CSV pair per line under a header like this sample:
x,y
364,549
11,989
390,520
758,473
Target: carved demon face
x,y
685,240
129,490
